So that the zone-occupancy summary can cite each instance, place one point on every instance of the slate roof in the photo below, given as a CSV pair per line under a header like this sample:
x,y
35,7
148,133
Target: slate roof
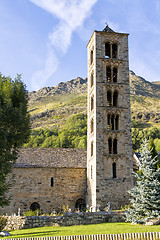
x,y
52,157
107,29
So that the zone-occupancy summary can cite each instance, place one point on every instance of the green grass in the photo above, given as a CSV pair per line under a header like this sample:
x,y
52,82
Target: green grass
x,y
103,228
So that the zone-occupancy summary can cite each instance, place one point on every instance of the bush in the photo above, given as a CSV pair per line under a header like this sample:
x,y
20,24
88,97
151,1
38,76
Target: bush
x,y
31,213
3,222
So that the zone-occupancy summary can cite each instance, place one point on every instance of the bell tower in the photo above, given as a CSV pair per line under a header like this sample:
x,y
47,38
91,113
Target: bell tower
x,y
109,150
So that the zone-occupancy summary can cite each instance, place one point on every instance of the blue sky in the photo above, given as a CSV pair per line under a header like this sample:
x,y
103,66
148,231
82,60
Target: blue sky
x,y
45,40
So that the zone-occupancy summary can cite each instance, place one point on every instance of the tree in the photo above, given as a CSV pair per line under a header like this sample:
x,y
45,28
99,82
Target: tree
x,y
14,128
152,149
145,202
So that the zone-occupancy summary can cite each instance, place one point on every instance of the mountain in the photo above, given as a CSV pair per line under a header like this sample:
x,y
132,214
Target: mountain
x,y
51,106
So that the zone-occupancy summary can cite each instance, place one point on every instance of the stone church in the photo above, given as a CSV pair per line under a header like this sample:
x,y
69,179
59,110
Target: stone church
x,y
51,178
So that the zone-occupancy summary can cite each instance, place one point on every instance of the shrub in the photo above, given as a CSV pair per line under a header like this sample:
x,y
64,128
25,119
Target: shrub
x,y
3,222
31,213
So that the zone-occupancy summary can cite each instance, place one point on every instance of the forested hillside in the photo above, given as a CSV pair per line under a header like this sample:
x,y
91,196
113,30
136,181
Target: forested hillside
x,y
58,114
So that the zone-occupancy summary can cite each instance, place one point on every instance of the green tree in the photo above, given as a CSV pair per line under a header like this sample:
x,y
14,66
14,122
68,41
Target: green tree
x,y
14,128
152,149
145,195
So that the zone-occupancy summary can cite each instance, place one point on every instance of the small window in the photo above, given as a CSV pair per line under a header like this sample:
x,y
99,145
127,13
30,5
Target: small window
x,y
114,170
91,57
52,181
107,50
108,74
91,149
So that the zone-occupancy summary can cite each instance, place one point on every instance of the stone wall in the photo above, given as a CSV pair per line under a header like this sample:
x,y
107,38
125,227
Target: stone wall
x,y
18,222
33,185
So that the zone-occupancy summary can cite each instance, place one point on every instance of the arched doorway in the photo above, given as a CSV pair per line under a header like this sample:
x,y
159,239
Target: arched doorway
x,y
35,206
80,204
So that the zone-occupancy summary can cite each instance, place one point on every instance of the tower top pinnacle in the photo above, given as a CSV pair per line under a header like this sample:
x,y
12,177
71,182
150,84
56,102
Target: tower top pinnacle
x,y
107,29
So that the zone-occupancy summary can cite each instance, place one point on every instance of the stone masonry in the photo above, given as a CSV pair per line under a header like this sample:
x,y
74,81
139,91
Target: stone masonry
x,y
33,185
109,150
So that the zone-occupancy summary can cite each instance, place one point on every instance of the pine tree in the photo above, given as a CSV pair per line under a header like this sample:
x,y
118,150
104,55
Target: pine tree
x,y
145,202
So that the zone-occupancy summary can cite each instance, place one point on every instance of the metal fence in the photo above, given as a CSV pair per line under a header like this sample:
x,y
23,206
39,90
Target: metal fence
x,y
123,236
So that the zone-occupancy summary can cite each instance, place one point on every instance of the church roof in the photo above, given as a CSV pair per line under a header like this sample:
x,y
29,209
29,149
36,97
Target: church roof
x,y
52,157
107,29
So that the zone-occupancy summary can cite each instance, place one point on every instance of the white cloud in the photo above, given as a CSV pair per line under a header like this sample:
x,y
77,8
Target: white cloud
x,y
71,14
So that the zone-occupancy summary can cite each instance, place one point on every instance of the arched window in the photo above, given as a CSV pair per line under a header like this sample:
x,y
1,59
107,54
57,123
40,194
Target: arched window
x,y
92,103
91,57
107,50
34,206
109,98
114,74
115,146
108,74
114,51
114,170
115,98
110,145
92,125
91,149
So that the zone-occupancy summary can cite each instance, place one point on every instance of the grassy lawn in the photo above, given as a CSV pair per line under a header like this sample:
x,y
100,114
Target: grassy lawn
x,y
103,228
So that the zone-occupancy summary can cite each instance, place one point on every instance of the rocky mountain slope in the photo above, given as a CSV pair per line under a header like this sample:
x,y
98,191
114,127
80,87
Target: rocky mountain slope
x,y
52,105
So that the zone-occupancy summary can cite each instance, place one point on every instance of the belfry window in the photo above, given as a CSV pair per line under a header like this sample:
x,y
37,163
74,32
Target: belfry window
x,y
109,98
115,99
115,146
111,50
114,51
108,74
113,122
114,170
114,74
111,74
117,122
110,145
107,50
